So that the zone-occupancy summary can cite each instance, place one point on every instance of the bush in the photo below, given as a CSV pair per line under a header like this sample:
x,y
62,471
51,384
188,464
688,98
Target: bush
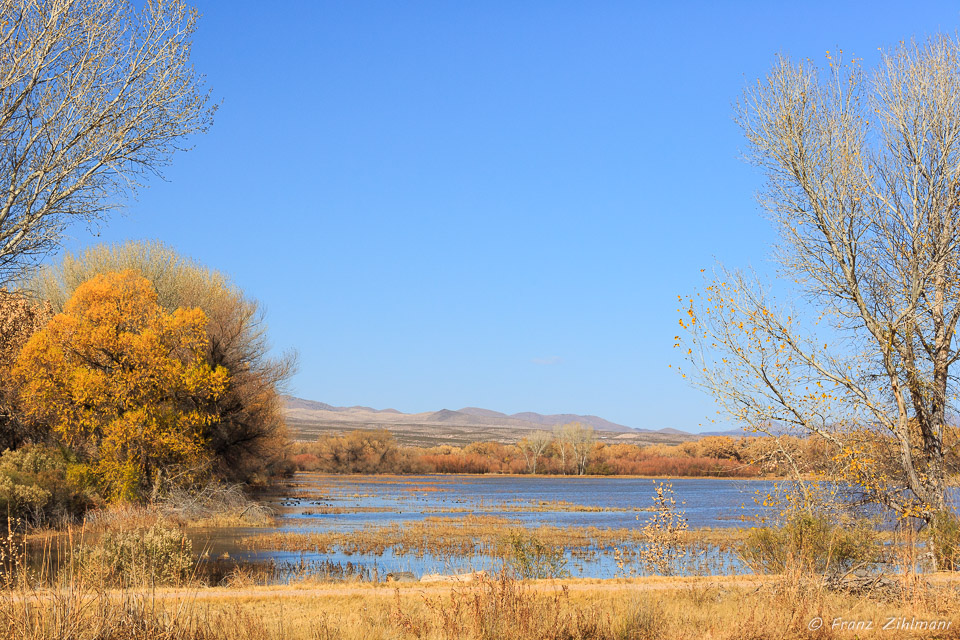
x,y
945,539
810,543
529,558
160,555
39,485
359,451
663,532
213,503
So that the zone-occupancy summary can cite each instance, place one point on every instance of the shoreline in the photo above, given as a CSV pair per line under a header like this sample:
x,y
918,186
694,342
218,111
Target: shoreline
x,y
518,476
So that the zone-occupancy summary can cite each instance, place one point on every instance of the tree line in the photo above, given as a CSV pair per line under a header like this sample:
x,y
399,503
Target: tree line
x,y
571,450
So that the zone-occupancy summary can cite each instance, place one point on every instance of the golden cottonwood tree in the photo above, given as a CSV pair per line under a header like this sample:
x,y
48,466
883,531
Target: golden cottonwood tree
x,y
123,381
249,438
863,186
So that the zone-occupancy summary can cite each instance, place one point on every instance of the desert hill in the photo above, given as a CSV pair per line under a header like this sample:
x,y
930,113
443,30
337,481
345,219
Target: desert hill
x,y
308,419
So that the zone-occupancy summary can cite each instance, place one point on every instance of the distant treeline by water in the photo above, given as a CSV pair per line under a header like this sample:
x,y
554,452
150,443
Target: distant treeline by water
x,y
564,453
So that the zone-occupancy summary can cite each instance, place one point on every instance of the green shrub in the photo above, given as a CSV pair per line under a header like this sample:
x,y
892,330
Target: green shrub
x,y
529,558
160,555
944,536
810,543
40,485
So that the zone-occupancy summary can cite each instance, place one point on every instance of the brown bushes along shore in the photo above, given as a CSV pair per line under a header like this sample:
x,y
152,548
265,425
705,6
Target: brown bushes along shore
x,y
377,451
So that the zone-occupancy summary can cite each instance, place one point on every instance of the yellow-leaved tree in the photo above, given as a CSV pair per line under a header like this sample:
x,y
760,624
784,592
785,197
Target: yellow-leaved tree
x,y
123,382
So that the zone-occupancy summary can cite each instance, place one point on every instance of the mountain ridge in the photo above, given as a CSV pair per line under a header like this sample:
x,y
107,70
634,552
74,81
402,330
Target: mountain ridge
x,y
309,418
467,416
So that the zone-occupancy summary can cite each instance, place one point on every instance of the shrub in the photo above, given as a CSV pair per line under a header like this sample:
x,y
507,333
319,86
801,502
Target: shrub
x,y
212,503
663,532
810,543
39,485
306,462
160,555
530,558
359,451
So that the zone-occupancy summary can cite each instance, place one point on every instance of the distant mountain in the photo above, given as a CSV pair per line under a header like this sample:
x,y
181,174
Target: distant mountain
x,y
309,418
486,413
295,403
565,418
445,415
299,403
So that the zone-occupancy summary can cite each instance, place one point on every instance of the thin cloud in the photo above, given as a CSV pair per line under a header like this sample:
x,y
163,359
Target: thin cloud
x,y
552,360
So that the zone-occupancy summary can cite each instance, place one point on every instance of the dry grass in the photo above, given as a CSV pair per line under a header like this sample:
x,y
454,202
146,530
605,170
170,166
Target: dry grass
x,y
501,608
506,609
76,614
212,505
538,506
469,536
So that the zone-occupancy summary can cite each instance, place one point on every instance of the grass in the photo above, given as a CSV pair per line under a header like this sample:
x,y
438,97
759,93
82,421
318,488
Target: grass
x,y
212,505
516,506
498,607
466,536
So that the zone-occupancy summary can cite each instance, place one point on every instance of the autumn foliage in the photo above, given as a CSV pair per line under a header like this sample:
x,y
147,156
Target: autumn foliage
x,y
378,452
248,440
120,379
20,318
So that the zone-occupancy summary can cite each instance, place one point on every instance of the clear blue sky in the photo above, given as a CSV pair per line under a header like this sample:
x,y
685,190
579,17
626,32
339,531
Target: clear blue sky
x,y
488,204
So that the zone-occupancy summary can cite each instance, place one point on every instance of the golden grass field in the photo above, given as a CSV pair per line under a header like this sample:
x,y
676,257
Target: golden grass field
x,y
735,608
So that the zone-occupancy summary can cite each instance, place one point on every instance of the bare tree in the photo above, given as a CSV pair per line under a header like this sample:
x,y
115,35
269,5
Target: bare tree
x,y
559,436
581,439
863,186
533,446
93,96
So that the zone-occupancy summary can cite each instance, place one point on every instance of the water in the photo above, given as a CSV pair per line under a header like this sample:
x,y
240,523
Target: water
x,y
322,503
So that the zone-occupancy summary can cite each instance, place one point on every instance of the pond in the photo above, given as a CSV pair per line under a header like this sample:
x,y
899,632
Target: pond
x,y
356,524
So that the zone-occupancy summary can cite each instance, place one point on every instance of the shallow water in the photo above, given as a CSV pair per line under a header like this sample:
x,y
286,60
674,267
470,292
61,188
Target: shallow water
x,y
317,503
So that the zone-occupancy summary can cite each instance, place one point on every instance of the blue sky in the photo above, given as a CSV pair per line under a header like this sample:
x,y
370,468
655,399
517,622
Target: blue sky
x,y
487,204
